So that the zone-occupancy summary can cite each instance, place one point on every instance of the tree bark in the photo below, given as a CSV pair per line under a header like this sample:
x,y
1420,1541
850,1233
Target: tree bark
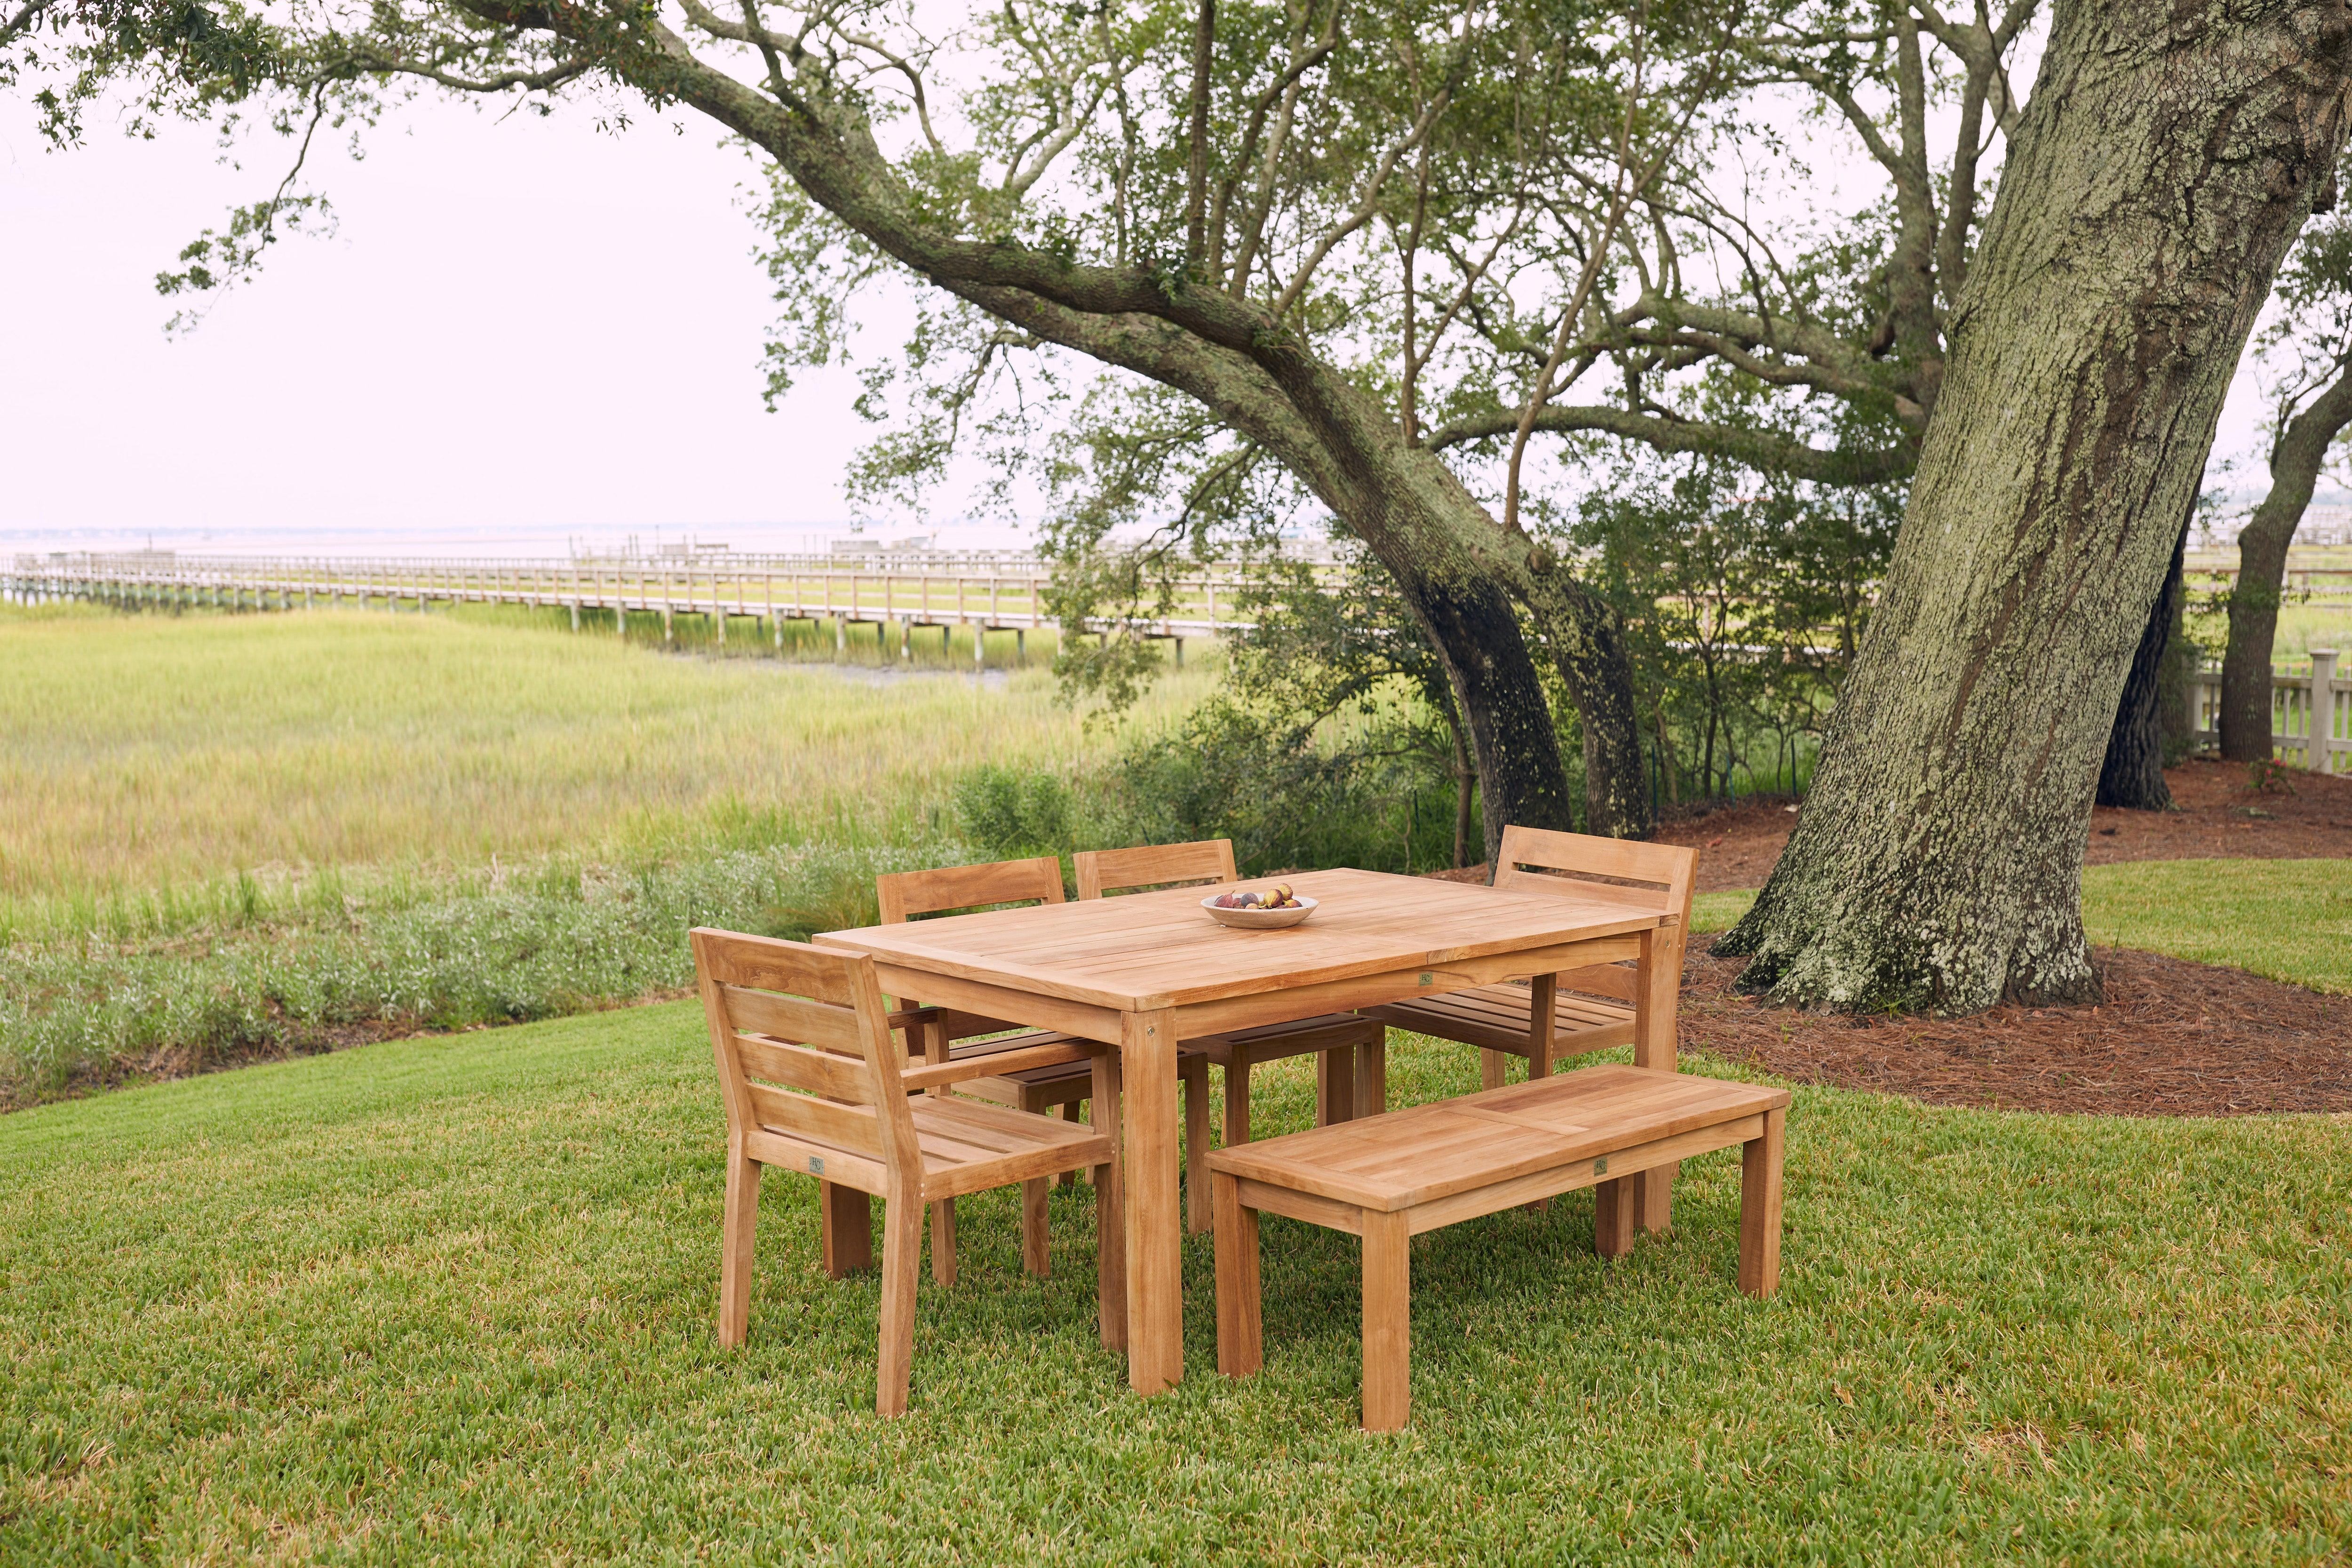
x,y
2155,182
2132,777
2300,453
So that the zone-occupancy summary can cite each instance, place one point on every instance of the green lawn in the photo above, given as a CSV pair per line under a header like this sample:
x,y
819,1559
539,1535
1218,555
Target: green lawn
x,y
452,1297
2291,919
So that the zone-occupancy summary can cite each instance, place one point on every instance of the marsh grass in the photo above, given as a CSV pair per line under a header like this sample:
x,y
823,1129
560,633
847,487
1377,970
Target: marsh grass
x,y
451,1299
165,773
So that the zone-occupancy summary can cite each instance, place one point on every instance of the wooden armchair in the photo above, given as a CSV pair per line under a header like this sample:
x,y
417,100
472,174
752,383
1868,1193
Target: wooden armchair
x,y
1587,1009
815,1083
1034,1089
1350,1049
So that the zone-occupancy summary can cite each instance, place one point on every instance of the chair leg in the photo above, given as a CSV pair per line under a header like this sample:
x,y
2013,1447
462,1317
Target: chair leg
x,y
1335,1086
1490,1069
1237,1127
1760,1207
845,1220
1612,1216
1388,1321
1240,1348
1034,1256
943,1243
736,1234
1196,1149
902,1250
1373,1076
1110,1210
1071,1113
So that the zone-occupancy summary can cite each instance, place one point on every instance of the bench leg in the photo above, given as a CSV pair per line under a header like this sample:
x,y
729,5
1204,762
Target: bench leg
x,y
1388,1321
1240,1347
1110,1209
735,1249
1612,1216
845,1226
1335,1085
1238,1128
1196,1147
1071,1111
1490,1069
1373,1076
1656,996
1035,1255
1760,1207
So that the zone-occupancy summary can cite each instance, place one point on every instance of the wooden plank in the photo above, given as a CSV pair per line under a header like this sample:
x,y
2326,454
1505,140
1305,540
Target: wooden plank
x,y
847,1129
994,1065
1101,872
905,893
1155,1281
1153,950
828,1026
1274,1003
1582,1173
1328,1213
787,1152
1000,1001
843,1078
1388,1323
733,959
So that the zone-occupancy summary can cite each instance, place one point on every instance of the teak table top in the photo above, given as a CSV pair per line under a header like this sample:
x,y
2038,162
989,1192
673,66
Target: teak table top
x,y
1151,950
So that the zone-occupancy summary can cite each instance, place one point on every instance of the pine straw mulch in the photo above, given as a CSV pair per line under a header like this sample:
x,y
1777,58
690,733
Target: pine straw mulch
x,y
2216,815
2173,1038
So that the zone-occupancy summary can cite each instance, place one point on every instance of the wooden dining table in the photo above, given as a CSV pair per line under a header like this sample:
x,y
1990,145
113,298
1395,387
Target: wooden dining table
x,y
1146,971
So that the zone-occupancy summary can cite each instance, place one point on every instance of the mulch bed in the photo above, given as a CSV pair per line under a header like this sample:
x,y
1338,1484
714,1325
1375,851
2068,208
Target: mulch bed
x,y
2218,814
2173,1038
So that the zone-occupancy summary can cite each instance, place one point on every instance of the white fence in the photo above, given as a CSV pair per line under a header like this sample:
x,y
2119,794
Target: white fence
x,y
2311,715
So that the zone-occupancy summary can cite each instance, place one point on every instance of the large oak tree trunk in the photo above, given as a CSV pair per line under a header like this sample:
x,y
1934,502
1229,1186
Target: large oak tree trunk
x,y
2132,775
2302,452
2164,163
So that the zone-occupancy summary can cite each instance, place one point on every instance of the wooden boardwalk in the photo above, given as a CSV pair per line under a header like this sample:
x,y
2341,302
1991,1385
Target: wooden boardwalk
x,y
980,593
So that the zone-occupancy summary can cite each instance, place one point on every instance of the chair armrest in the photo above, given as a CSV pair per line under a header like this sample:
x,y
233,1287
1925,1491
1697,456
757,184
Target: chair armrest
x,y
997,1063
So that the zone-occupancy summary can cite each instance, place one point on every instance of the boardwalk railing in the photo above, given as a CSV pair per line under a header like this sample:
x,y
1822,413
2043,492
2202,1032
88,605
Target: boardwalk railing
x,y
929,591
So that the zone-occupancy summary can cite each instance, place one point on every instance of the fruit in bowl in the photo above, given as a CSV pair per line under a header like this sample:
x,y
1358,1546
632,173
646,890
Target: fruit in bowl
x,y
1259,909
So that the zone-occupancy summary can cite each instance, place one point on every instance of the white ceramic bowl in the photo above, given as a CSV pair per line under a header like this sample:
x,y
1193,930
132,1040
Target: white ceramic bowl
x,y
1258,919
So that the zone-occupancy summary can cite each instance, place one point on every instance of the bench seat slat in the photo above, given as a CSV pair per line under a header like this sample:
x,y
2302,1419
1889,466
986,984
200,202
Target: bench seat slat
x,y
1432,1152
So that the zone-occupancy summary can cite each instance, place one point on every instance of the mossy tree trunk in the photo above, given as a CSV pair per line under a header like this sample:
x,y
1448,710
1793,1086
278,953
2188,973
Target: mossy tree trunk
x,y
2162,167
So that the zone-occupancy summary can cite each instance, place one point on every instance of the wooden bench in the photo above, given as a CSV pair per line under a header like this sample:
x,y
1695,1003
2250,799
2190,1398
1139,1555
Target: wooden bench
x,y
1388,1178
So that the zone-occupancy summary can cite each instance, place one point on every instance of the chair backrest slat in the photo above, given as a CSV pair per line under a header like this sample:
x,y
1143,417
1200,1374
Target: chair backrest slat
x,y
903,894
818,1024
852,1127
1104,871
1531,858
803,1046
837,1077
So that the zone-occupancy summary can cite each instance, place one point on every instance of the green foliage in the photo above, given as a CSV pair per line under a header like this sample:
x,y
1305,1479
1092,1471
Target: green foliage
x,y
1012,812
352,958
1743,599
452,1299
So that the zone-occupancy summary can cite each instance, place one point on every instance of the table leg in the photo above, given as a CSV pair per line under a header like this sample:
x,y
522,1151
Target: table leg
x,y
1155,1224
1655,1000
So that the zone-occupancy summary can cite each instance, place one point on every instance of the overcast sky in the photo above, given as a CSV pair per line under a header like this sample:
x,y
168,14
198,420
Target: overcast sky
x,y
524,332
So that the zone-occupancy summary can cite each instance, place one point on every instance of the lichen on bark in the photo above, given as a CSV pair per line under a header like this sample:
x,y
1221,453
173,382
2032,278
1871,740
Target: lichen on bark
x,y
2155,182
